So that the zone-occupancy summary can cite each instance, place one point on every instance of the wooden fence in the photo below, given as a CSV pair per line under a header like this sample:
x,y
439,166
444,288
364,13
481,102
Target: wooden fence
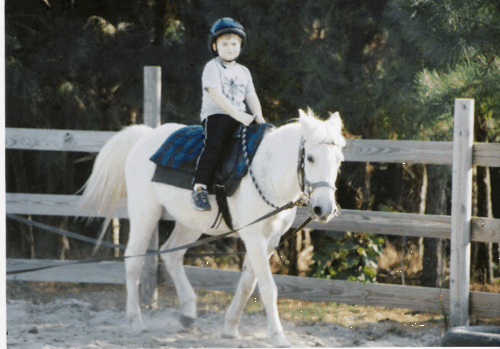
x,y
460,227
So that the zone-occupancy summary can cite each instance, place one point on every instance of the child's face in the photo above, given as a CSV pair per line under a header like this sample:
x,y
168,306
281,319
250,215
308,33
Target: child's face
x,y
228,47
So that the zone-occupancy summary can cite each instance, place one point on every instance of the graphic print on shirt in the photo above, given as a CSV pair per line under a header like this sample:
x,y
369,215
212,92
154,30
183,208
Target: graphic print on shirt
x,y
233,91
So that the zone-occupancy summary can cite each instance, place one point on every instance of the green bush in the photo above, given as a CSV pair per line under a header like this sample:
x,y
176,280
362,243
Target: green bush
x,y
347,256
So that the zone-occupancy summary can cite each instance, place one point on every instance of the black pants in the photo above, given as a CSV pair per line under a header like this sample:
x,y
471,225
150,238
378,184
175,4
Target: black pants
x,y
218,130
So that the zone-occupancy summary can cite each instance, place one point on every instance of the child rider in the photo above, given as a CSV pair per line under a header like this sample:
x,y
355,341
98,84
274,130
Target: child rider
x,y
227,86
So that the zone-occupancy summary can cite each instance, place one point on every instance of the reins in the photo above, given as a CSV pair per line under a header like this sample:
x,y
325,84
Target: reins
x,y
151,253
306,190
247,161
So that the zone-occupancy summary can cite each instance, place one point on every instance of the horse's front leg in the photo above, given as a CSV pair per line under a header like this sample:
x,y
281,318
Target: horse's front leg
x,y
257,252
246,286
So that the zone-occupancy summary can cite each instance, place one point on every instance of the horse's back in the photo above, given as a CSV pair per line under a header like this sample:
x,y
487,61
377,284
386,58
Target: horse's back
x,y
139,169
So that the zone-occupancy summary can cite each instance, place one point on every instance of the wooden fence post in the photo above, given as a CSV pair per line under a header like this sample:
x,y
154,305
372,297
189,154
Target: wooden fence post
x,y
461,211
152,112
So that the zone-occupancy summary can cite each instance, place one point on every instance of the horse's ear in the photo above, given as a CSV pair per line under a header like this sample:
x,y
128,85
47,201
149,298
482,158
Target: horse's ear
x,y
302,114
335,120
305,121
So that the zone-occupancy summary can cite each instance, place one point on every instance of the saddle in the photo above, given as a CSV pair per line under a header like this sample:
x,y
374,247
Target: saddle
x,y
176,159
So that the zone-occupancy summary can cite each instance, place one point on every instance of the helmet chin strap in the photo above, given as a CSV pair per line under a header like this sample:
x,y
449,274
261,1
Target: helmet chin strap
x,y
229,62
225,61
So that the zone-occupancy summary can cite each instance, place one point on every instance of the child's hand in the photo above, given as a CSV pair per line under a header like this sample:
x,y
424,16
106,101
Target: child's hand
x,y
260,119
245,119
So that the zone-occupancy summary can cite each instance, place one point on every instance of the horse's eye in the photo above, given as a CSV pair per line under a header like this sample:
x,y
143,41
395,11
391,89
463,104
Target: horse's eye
x,y
310,159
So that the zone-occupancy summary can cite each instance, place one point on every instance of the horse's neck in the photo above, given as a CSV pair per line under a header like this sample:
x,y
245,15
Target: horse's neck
x,y
275,164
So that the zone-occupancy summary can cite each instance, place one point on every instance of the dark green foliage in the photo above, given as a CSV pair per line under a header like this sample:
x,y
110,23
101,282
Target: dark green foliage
x,y
446,31
326,55
347,256
358,57
438,90
459,42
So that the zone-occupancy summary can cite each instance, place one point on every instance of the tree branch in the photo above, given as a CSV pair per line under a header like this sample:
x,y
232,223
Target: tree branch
x,y
470,19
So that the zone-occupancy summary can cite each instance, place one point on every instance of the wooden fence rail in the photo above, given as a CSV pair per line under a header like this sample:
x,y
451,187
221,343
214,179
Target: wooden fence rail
x,y
417,298
357,150
357,221
308,289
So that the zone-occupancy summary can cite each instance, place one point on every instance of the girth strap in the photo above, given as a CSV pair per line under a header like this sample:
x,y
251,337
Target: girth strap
x,y
224,213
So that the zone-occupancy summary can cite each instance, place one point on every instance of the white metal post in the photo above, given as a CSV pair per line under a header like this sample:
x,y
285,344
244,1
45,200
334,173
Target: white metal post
x,y
461,210
152,112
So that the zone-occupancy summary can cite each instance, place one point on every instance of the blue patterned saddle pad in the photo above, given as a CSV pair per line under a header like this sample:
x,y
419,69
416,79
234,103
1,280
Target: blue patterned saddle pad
x,y
176,158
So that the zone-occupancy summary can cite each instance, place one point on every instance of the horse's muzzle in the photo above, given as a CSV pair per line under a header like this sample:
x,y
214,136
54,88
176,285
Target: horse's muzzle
x,y
321,214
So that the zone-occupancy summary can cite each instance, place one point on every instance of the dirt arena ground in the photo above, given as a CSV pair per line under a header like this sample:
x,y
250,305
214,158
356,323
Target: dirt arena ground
x,y
81,316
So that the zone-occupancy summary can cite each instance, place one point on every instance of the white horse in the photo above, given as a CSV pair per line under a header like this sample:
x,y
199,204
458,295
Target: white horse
x,y
123,168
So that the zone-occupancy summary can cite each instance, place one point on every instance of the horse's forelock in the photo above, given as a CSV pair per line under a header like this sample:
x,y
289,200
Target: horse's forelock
x,y
316,131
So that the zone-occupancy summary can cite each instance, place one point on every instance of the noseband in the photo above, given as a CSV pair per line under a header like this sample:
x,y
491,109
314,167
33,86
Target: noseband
x,y
306,187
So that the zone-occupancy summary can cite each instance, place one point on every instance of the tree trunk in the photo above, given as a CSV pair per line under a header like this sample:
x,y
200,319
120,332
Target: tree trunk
x,y
434,259
482,253
305,251
63,242
21,178
116,235
68,188
49,245
418,191
417,197
289,255
366,197
159,21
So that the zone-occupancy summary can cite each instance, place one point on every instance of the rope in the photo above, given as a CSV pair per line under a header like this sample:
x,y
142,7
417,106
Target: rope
x,y
149,253
247,161
194,244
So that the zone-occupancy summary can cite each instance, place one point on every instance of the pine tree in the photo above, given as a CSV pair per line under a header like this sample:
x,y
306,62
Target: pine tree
x,y
460,43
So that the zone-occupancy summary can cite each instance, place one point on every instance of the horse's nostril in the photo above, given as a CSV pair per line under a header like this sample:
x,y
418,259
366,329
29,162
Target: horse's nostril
x,y
317,211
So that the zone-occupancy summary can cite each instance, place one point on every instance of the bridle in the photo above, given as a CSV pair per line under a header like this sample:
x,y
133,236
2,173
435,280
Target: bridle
x,y
306,187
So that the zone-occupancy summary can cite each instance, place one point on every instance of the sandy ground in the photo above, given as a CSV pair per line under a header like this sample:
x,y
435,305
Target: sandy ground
x,y
97,320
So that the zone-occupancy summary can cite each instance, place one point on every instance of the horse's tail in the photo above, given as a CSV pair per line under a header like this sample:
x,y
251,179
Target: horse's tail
x,y
106,185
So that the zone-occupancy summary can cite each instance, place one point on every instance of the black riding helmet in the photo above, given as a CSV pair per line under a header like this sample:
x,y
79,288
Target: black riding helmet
x,y
223,26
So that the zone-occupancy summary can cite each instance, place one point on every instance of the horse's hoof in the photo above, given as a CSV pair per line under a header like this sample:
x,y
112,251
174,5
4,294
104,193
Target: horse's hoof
x,y
281,342
186,321
230,335
137,327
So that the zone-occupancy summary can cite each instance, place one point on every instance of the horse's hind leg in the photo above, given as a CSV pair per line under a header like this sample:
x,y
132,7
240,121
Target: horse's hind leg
x,y
175,267
142,226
